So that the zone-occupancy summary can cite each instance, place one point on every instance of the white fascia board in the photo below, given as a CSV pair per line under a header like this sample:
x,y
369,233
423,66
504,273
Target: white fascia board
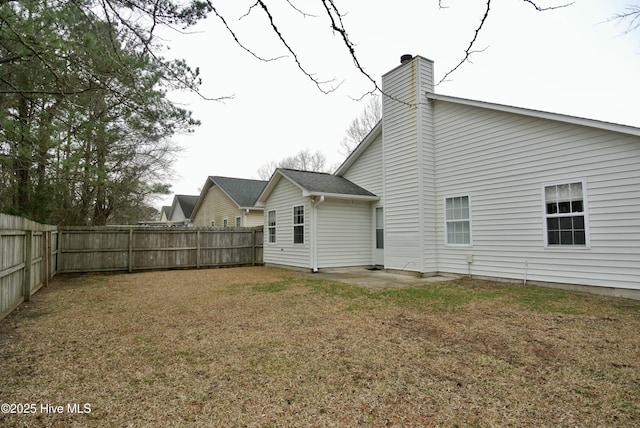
x,y
307,193
608,126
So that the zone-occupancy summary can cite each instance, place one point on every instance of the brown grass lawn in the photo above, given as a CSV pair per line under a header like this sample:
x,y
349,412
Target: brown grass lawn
x,y
268,347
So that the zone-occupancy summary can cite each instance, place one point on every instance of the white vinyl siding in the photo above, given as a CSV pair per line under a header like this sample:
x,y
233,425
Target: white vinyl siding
x,y
504,160
283,197
366,172
408,168
344,234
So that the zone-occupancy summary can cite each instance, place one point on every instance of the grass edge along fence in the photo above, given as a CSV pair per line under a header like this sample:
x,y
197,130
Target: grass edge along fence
x,y
32,253
28,259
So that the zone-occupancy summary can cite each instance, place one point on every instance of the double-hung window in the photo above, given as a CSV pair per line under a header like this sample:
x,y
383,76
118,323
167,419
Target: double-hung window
x,y
271,226
458,221
565,210
239,221
298,224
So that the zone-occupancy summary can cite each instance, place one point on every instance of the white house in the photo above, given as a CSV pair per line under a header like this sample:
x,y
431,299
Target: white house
x,y
465,186
181,209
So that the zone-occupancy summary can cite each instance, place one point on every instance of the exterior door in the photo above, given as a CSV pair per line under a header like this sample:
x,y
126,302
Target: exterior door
x,y
379,241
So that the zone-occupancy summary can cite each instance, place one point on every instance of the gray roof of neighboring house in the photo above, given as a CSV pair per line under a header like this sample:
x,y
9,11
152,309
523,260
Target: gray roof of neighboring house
x,y
244,192
186,202
324,183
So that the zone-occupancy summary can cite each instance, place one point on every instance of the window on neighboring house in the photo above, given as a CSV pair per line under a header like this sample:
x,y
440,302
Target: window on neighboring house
x,y
213,223
298,224
458,222
225,222
238,221
564,206
271,225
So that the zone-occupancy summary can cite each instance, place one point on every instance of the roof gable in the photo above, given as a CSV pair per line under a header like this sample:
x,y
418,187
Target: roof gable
x,y
186,202
625,129
317,184
243,192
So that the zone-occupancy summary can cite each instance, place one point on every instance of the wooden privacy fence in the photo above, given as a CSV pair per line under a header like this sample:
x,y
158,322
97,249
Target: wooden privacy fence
x,y
32,253
28,259
96,249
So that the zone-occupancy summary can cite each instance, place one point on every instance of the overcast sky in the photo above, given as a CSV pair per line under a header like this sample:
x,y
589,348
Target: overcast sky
x,y
572,61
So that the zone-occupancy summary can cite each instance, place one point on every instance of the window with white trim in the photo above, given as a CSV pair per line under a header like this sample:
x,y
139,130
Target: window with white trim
x,y
225,222
238,221
271,226
298,224
564,207
213,223
458,223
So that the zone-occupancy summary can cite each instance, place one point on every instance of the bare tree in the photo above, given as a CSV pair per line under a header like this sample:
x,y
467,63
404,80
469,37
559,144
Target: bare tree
x,y
304,160
630,16
361,125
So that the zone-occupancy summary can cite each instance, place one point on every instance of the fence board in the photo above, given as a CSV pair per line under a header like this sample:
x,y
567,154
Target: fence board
x,y
149,248
25,260
32,253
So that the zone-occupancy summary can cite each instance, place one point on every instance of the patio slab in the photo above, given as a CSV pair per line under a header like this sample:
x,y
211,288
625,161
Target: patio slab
x,y
378,278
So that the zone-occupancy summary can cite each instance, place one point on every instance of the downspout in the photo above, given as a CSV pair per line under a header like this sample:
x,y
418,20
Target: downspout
x,y
314,235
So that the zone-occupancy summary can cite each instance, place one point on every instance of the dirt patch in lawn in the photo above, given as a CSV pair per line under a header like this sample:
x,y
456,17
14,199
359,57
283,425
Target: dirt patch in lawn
x,y
269,347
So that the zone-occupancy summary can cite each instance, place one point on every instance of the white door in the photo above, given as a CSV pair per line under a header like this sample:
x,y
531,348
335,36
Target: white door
x,y
379,241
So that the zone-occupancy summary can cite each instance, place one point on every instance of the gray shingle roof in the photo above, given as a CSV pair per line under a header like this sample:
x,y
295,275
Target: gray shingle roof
x,y
243,191
319,182
187,202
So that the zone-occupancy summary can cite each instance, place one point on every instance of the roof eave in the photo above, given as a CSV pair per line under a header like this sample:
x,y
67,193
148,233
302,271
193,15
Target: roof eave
x,y
593,123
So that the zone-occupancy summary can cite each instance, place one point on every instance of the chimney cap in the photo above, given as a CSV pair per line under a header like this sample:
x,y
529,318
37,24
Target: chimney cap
x,y
405,58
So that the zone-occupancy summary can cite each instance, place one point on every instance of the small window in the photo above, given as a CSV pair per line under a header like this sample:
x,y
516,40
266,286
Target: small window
x,y
213,223
238,221
271,225
225,222
458,224
379,228
298,224
564,206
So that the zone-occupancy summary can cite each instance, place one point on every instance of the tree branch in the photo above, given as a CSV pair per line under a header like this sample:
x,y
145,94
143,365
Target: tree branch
x,y
470,49
317,82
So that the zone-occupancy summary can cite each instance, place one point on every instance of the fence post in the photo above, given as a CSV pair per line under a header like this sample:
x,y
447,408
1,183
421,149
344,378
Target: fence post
x,y
198,249
45,259
130,249
253,245
28,259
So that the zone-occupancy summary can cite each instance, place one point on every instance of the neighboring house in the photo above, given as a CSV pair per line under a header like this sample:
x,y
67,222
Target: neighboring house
x,y
228,202
181,210
164,213
468,187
